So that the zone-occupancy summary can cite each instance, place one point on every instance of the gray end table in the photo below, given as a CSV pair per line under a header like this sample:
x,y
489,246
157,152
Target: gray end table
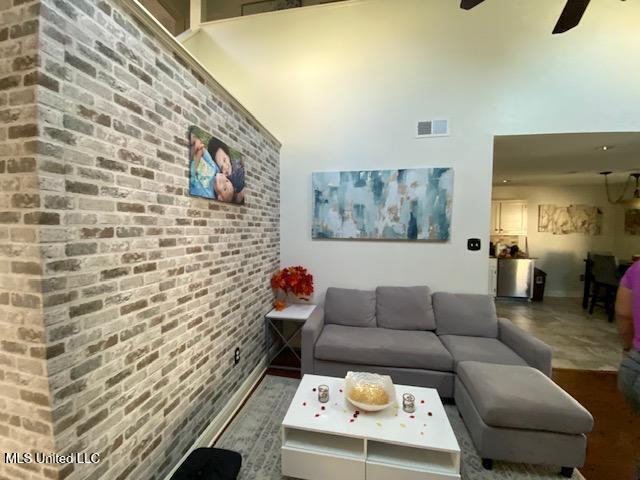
x,y
296,313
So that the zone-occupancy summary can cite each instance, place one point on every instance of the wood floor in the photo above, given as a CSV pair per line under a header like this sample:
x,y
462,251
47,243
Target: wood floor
x,y
614,445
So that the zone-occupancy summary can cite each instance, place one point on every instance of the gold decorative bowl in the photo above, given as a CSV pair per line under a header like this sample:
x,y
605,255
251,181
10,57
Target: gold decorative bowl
x,y
369,391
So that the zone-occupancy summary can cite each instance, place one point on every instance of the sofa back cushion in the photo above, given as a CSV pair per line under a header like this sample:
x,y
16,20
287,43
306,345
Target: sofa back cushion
x,y
465,314
353,308
404,308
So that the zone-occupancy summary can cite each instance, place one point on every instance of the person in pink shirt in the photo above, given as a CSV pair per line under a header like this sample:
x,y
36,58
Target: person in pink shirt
x,y
628,320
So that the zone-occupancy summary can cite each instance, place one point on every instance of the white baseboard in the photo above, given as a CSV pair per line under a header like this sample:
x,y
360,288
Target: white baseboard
x,y
219,423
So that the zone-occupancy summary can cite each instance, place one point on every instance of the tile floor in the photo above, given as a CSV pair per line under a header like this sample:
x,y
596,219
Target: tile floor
x,y
578,340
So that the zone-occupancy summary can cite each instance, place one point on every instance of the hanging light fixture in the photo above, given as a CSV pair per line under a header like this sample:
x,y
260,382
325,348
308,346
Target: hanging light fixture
x,y
634,201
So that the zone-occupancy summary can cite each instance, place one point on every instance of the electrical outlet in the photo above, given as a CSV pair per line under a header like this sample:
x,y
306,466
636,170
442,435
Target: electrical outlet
x,y
236,356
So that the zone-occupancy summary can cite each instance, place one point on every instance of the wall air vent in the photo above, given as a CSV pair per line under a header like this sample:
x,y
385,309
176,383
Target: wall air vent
x,y
432,128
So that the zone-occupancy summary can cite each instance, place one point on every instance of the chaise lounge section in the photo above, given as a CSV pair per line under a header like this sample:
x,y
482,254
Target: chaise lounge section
x,y
414,336
515,413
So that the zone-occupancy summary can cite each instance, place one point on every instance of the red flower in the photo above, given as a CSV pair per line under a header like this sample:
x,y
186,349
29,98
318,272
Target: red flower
x,y
296,280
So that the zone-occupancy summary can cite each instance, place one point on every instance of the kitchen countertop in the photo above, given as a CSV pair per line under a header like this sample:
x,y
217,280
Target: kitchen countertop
x,y
509,258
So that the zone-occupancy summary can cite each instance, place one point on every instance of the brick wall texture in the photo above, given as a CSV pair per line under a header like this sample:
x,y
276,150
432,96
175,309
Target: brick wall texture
x,y
26,421
122,298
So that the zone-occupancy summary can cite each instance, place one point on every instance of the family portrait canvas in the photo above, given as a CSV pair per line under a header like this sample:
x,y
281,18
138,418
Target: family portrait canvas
x,y
403,204
216,171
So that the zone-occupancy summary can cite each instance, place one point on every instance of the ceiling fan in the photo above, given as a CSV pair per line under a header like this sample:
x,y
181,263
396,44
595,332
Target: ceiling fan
x,y
569,18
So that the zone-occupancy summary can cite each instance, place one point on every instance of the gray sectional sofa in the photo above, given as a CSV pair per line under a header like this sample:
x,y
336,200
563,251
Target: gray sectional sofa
x,y
414,336
512,409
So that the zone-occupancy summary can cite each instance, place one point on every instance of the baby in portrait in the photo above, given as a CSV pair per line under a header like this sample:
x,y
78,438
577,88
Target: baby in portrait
x,y
203,170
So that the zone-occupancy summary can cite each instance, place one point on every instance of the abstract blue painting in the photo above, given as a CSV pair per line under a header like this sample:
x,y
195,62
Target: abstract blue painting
x,y
405,204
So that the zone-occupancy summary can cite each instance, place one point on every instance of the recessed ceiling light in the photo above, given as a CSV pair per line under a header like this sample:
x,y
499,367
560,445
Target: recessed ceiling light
x,y
604,148
505,181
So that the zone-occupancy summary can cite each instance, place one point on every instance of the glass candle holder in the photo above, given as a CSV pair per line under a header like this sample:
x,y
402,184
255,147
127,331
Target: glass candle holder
x,y
323,393
408,403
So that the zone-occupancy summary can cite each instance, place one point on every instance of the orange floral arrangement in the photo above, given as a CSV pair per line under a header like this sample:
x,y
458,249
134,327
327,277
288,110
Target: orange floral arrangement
x,y
296,280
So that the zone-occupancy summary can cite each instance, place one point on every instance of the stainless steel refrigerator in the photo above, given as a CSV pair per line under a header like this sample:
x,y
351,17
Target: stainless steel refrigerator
x,y
515,277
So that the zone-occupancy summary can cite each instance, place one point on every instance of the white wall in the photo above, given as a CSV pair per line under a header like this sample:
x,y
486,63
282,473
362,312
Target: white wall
x,y
342,86
561,256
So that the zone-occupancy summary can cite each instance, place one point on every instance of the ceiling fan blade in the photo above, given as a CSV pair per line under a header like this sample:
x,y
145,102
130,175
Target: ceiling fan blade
x,y
469,4
571,15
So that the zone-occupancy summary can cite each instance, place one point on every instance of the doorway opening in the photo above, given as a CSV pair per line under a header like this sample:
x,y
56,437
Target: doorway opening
x,y
551,220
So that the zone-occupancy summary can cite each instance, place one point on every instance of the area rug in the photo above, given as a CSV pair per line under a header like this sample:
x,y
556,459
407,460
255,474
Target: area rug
x,y
255,433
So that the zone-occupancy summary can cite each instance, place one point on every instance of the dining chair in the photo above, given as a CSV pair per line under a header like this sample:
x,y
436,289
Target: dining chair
x,y
604,272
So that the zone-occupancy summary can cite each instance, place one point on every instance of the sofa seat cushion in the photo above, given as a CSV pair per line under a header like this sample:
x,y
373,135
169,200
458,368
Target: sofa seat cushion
x,y
405,308
511,396
381,346
481,349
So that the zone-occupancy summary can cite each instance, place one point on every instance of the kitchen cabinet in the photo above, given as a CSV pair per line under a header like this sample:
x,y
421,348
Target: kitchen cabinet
x,y
508,217
495,217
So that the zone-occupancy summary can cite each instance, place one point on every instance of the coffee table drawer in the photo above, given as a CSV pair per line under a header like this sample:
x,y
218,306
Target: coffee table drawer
x,y
318,466
386,472
401,462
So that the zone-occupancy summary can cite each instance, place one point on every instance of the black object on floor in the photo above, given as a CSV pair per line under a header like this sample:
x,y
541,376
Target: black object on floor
x,y
487,463
539,281
209,464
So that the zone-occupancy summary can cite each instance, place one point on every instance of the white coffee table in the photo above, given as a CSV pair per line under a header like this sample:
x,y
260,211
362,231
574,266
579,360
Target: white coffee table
x,y
331,444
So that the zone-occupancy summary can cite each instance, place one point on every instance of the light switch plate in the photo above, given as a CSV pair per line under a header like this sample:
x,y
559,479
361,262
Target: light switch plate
x,y
473,244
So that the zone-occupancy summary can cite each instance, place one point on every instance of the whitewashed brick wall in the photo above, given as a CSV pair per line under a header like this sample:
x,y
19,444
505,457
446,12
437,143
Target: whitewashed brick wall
x,y
25,404
122,298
